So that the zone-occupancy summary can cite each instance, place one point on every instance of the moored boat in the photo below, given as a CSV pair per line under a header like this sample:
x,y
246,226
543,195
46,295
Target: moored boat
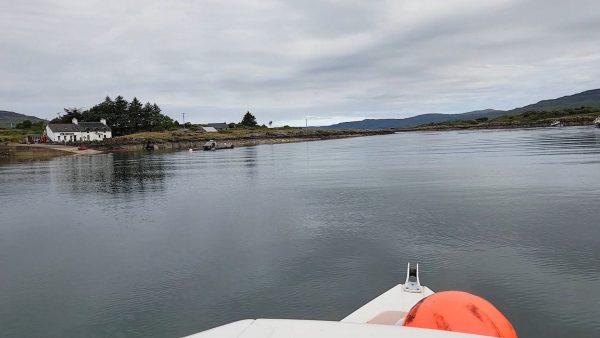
x,y
214,145
406,310
556,124
597,122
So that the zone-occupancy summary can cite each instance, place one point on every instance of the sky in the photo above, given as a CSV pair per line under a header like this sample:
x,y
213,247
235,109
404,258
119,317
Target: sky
x,y
288,61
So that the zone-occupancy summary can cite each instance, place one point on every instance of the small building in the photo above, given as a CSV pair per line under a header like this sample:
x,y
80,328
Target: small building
x,y
218,126
32,139
209,129
63,132
78,131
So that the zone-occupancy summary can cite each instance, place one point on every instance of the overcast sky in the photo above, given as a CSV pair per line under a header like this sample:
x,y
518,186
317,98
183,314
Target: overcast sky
x,y
284,60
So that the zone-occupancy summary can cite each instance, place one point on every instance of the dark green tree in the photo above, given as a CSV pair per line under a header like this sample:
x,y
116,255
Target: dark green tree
x,y
121,123
70,113
248,120
24,125
123,117
104,110
135,116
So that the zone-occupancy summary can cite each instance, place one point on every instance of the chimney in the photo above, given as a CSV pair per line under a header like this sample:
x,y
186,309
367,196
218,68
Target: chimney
x,y
103,121
74,120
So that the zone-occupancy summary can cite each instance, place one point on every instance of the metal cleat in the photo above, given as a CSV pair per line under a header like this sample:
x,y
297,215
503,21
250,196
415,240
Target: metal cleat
x,y
412,283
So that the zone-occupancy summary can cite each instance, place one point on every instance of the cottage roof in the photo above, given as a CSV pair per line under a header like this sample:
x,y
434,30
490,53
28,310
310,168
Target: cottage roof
x,y
221,125
93,126
209,129
82,126
63,128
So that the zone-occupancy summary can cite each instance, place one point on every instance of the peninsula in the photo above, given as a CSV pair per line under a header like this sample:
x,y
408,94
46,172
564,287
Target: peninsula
x,y
530,119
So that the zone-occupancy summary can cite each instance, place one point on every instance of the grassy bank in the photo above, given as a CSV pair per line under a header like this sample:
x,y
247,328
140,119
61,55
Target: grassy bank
x,y
14,135
237,136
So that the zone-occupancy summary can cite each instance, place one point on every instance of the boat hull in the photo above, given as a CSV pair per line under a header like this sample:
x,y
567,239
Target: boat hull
x,y
208,148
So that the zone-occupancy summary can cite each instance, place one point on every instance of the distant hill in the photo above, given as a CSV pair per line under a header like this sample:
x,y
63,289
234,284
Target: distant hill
x,y
8,117
416,120
590,98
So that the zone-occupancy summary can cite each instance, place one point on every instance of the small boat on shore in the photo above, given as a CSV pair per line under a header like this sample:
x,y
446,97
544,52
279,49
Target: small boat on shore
x,y
597,122
214,145
409,310
556,124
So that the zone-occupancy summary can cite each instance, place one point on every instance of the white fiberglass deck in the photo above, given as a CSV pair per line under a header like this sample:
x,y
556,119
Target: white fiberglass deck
x,y
389,308
286,328
380,318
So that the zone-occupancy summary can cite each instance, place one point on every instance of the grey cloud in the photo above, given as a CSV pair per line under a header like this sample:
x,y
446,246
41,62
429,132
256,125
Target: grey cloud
x,y
287,59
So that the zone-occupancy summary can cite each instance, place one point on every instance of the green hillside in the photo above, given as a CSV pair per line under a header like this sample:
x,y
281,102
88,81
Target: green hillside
x,y
590,98
8,117
531,118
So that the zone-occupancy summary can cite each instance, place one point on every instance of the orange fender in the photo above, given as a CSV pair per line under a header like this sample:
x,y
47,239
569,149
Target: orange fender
x,y
459,311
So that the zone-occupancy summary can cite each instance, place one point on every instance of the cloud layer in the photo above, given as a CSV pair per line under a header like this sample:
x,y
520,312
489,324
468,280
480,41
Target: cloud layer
x,y
332,60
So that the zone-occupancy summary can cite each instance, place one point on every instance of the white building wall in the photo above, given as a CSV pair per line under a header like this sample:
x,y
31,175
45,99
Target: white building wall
x,y
50,134
62,137
77,136
95,135
69,137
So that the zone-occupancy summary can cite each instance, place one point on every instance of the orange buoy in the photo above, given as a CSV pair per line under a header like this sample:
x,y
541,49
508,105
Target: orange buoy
x,y
459,311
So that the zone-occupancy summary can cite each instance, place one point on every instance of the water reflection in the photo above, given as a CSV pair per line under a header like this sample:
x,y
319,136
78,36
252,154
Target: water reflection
x,y
249,160
110,173
168,244
571,140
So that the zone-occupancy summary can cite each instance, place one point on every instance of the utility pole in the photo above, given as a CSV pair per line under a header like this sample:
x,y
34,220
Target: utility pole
x,y
306,121
183,114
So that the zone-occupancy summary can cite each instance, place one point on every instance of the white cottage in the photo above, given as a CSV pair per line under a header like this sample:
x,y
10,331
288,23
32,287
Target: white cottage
x,y
78,131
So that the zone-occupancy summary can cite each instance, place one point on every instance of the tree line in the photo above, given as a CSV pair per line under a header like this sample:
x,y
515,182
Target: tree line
x,y
37,126
123,117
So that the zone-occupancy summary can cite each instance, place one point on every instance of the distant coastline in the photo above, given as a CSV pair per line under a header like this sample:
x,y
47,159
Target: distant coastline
x,y
541,119
584,103
145,127
467,125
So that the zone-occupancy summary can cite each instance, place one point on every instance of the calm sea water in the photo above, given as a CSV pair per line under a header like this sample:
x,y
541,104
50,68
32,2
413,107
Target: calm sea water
x,y
169,244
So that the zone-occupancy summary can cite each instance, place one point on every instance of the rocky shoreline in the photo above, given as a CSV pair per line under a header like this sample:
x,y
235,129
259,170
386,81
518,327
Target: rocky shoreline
x,y
12,152
177,140
185,139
